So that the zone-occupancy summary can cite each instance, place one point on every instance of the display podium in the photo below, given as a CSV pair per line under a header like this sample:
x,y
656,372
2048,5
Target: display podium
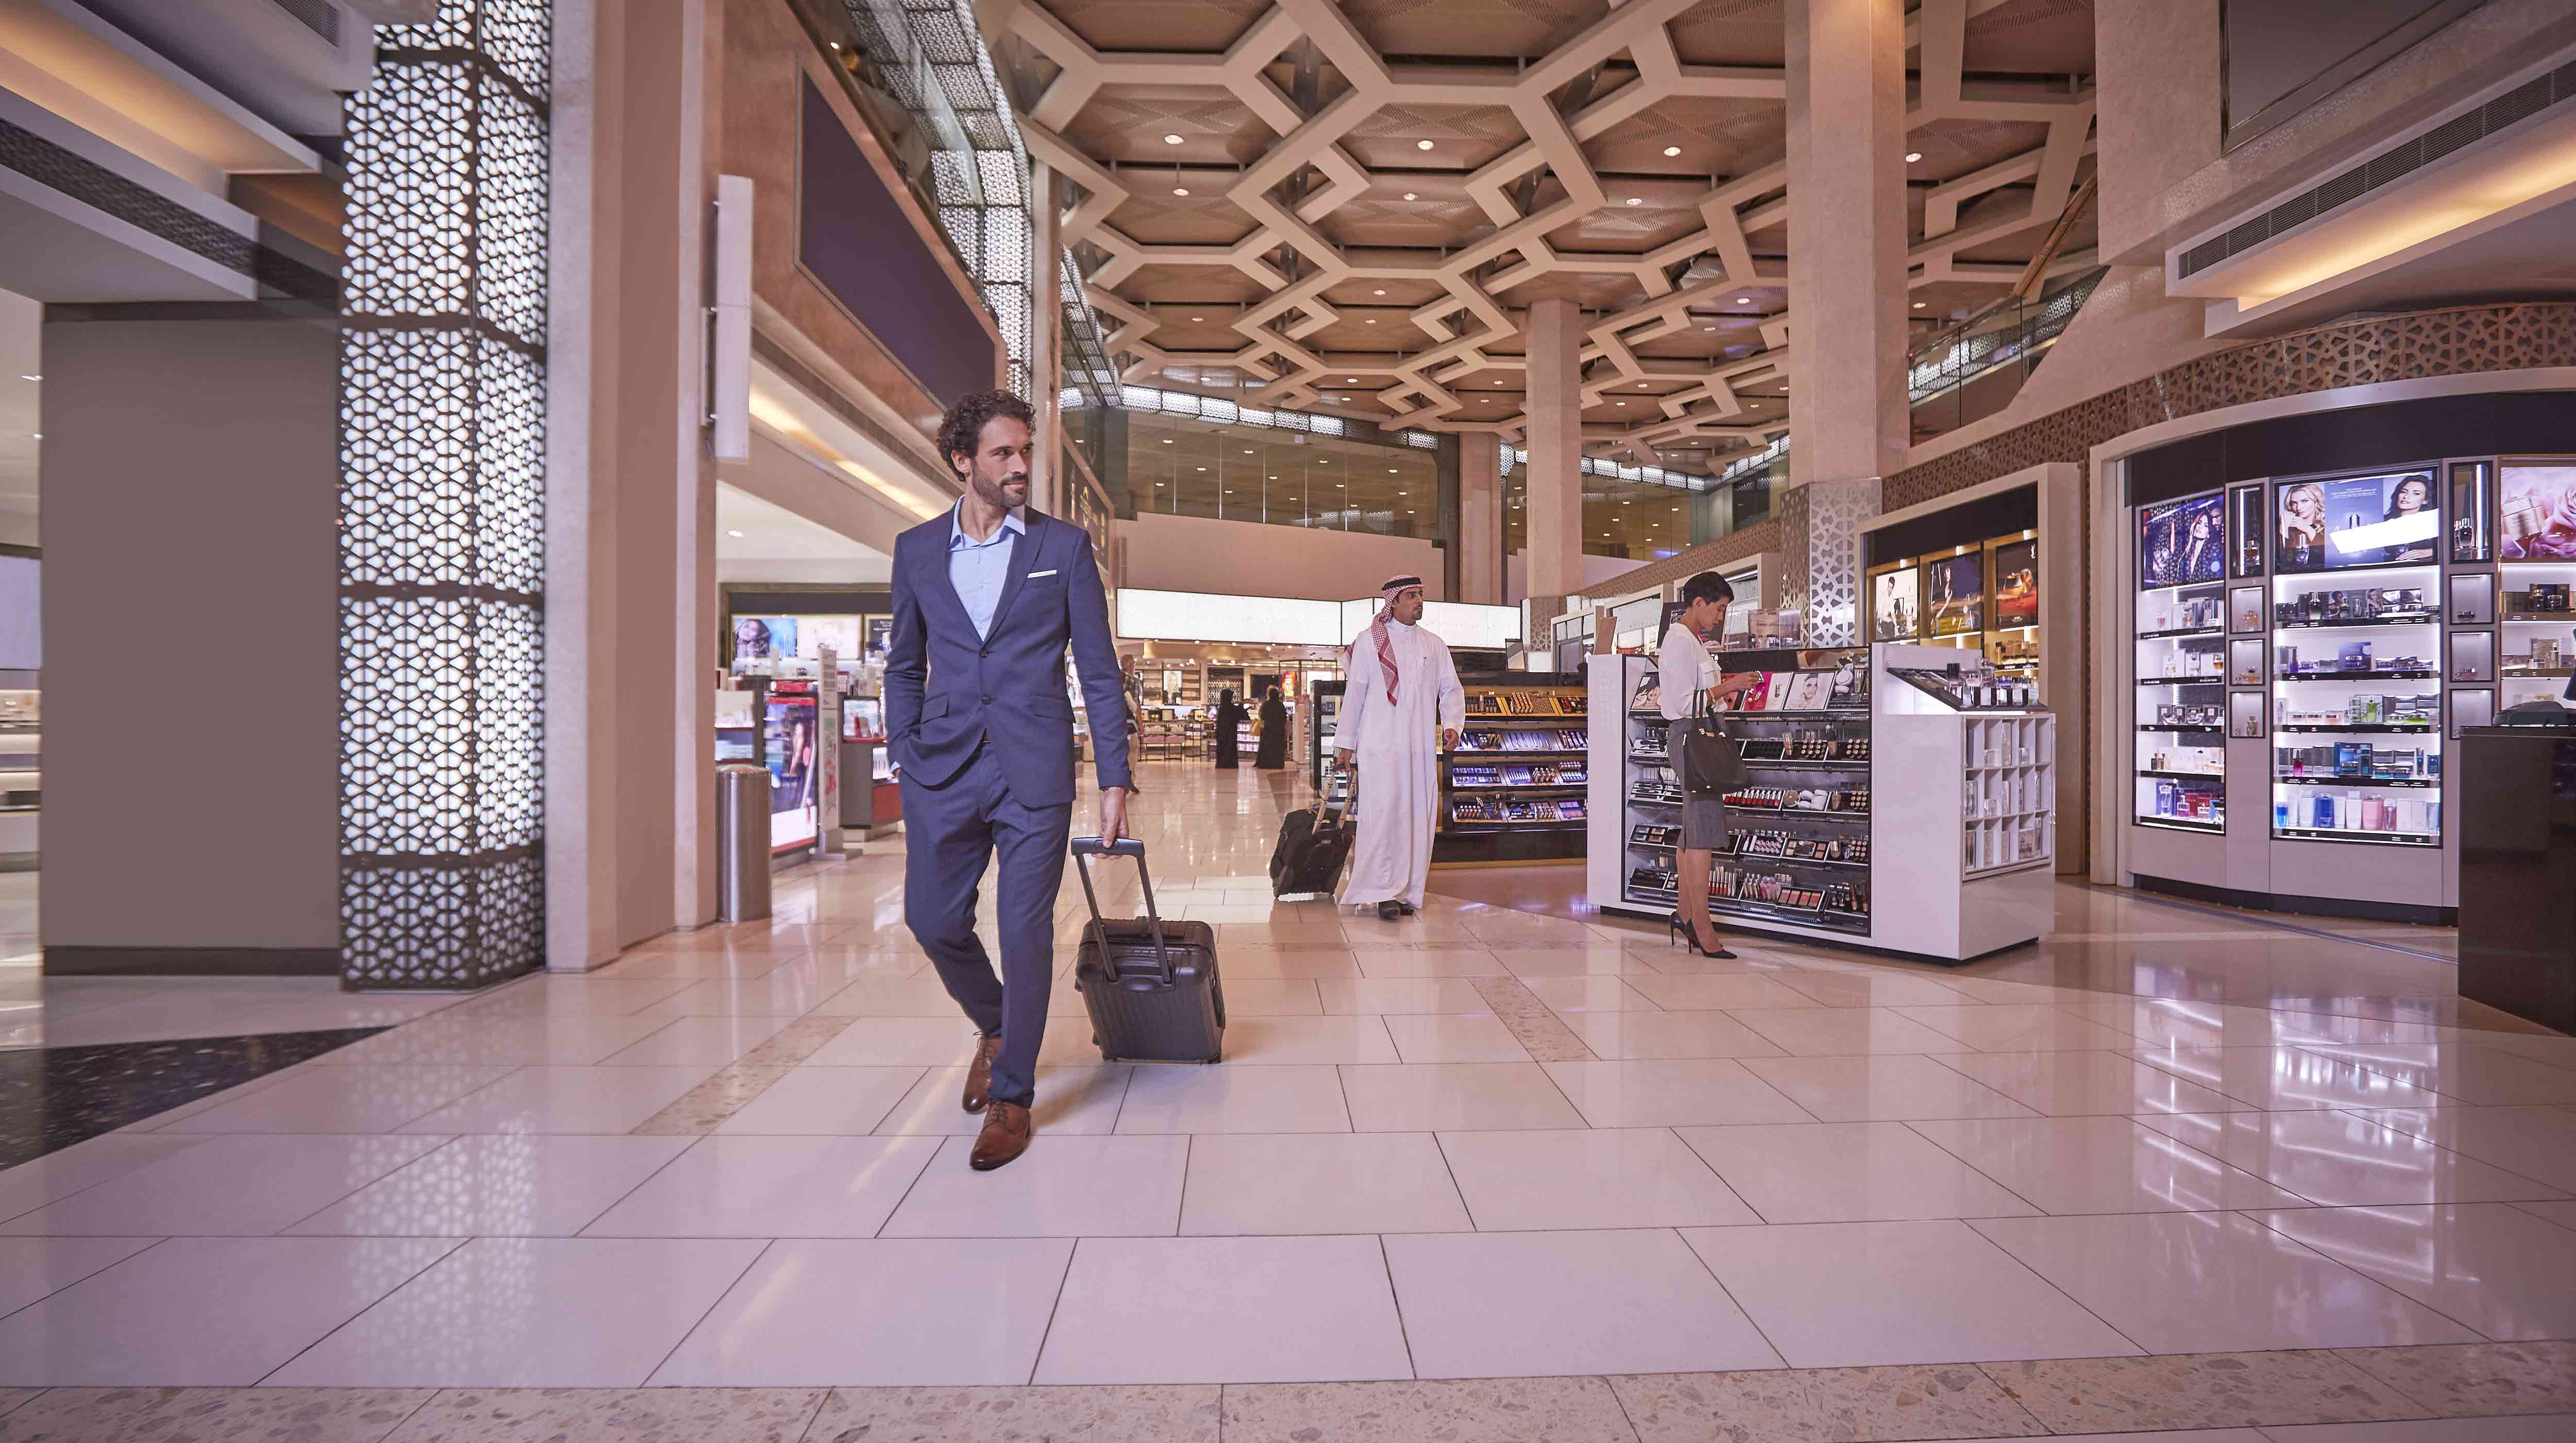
x,y
2517,790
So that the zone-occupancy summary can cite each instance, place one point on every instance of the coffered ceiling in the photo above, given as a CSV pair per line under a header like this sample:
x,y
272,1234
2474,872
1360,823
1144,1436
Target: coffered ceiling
x,y
1348,206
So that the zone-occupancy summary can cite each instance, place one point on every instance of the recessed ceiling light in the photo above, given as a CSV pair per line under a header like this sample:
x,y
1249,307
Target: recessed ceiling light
x,y
1390,470
1171,140
31,378
1351,380
1180,190
1422,145
733,533
1634,200
1247,451
835,45
1371,321
1672,150
1912,156
1202,468
1409,195
1918,305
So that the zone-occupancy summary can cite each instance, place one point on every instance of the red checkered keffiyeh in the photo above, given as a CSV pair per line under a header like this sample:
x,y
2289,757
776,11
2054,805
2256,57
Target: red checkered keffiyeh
x,y
1377,628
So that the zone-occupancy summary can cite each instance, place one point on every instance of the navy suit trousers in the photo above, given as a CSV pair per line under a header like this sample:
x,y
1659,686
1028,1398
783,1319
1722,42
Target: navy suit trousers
x,y
950,832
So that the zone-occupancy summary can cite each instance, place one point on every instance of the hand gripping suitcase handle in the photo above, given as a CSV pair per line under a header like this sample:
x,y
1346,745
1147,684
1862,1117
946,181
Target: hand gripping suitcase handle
x,y
1087,847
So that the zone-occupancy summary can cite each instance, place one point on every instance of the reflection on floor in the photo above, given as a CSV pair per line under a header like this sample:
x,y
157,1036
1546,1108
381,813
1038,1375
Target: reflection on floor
x,y
2172,1168
52,1097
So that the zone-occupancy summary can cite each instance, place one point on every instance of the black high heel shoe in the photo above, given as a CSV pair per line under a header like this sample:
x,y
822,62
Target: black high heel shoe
x,y
1680,927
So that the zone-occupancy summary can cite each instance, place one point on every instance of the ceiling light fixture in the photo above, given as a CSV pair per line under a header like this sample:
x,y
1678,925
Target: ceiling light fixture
x,y
1180,190
1672,150
1912,156
1918,305
31,377
1409,195
1167,440
1422,145
735,534
1171,140
1635,200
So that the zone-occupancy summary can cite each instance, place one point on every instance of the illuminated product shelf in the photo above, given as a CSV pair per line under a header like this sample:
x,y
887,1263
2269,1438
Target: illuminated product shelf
x,y
2361,790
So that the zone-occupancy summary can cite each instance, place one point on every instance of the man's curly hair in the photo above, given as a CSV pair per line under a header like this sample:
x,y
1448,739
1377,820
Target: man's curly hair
x,y
962,429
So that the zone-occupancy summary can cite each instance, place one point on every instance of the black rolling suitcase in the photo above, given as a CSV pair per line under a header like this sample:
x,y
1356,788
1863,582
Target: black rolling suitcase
x,y
1151,985
1314,842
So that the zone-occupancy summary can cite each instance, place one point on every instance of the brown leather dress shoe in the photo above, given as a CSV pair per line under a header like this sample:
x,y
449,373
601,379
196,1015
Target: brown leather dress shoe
x,y
1005,1136
979,1073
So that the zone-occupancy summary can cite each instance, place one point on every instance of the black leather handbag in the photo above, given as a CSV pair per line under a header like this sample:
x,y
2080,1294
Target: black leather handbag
x,y
1712,764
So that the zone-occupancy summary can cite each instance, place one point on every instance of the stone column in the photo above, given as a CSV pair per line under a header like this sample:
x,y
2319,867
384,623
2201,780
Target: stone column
x,y
1847,228
1480,518
1553,334
1046,341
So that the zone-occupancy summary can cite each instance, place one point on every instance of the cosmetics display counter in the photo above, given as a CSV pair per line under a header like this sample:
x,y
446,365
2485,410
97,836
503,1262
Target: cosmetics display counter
x,y
1514,789
1815,851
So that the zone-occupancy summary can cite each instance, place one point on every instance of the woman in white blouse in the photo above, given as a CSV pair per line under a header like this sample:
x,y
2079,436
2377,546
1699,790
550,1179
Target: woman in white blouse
x,y
1688,672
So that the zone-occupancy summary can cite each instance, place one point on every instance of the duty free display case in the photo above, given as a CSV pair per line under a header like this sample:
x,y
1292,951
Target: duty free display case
x,y
1517,786
1817,851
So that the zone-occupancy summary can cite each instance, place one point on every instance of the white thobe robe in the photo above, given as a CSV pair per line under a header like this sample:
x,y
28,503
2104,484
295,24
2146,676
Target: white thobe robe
x,y
1397,747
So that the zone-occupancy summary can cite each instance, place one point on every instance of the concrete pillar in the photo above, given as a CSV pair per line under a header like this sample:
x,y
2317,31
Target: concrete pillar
x,y
1480,518
1847,227
1554,337
630,614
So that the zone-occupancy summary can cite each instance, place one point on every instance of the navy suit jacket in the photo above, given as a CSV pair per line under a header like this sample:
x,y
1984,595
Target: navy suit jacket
x,y
947,691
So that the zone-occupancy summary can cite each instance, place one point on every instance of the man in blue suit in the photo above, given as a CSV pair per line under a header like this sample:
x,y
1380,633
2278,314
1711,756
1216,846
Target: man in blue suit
x,y
986,599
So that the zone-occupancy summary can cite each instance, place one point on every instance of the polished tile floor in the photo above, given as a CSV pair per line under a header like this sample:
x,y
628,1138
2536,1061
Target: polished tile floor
x,y
1505,1169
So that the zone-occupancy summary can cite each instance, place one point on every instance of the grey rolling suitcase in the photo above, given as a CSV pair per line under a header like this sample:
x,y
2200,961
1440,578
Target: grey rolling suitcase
x,y
1151,985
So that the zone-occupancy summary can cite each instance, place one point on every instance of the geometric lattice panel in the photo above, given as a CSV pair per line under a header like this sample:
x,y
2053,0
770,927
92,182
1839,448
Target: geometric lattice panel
x,y
442,534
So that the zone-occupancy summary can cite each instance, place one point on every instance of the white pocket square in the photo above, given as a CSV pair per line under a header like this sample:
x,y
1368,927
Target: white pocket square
x,y
1034,575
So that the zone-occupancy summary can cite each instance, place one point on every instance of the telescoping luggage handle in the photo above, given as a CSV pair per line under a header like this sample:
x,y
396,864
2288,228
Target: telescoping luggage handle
x,y
1084,847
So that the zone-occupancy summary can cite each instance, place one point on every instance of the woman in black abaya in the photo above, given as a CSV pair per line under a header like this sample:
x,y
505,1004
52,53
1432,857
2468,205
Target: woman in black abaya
x,y
1229,717
1274,733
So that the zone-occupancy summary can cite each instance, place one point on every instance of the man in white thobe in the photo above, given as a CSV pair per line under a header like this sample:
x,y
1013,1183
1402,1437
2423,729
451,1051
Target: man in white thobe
x,y
1401,706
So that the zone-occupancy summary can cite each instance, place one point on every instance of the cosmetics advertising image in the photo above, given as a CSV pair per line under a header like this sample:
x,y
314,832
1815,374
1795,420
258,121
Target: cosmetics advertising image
x,y
2355,521
2536,510
2179,543
1891,605
1958,592
2017,584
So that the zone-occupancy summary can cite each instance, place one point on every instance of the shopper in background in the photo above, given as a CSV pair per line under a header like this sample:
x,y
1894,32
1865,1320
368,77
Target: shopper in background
x,y
1402,706
1688,677
1229,723
987,600
1274,733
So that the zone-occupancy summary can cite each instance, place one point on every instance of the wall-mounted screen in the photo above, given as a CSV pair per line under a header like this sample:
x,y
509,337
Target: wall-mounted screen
x,y
2016,584
1893,597
2346,521
2536,512
2181,543
1957,584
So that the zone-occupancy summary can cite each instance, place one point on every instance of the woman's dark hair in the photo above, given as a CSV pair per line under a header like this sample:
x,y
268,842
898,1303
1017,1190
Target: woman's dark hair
x,y
2400,489
1707,586
961,431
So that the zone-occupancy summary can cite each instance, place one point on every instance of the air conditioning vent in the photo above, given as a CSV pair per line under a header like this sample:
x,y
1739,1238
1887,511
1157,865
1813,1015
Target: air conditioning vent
x,y
2403,159
319,16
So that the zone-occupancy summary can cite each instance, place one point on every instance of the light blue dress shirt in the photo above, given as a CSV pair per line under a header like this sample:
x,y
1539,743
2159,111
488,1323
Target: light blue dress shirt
x,y
978,568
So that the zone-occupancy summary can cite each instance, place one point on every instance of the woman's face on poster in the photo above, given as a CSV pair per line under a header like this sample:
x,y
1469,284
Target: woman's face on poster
x,y
2413,494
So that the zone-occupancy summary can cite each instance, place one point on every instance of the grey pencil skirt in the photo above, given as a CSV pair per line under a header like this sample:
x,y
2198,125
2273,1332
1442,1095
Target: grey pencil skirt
x,y
1703,818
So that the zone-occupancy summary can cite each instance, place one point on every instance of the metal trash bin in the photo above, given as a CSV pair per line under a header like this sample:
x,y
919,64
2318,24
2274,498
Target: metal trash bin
x,y
742,842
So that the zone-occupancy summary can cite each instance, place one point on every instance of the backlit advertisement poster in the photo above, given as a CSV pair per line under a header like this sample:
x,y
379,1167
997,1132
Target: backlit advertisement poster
x,y
2537,512
2017,584
2351,521
2181,543
1892,601
1958,595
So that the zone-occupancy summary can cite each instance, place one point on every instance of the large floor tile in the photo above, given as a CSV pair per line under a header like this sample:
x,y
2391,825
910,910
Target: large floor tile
x,y
2212,1282
1820,1172
320,1415
1935,1401
1884,1087
947,1041
1569,995
1062,1187
557,994
2099,1165
1491,1305
1476,1037
2500,1270
1132,1414
717,1039
1820,1031
519,1185
1234,1099
2075,1084
2475,1379
1677,1093
32,1184
1442,1097
531,1313
878,1312
1360,996
1707,994
344,1099
2016,1027
32,1268
824,1101
1588,1179
2342,1159
611,1415
519,1040
1620,1036
2463,1072
2279,1079
1075,1098
226,1186
1868,985
1256,1041
2537,1142
1297,1309
1267,997
566,1099
1855,1294
1598,959
1460,960
1287,1183
205,1311
772,1187
2210,1390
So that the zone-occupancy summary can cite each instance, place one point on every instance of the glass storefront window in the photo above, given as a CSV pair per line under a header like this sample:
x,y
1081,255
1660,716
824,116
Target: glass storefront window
x,y
1184,467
